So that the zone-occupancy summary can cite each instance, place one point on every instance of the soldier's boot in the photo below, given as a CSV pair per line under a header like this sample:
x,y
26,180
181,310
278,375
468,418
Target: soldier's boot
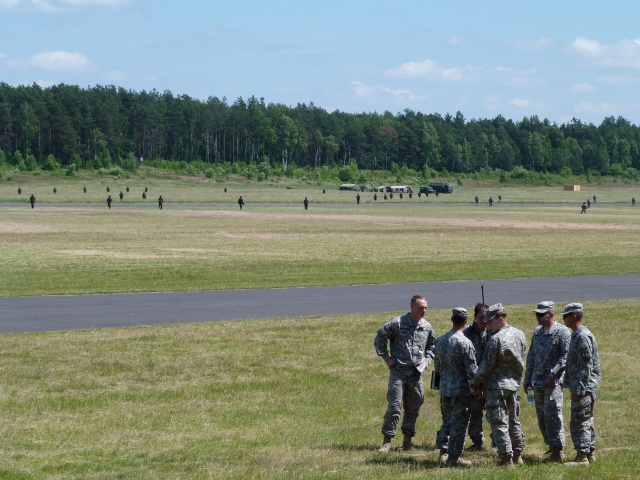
x,y
582,458
506,462
454,461
406,443
591,456
548,452
443,457
386,444
477,447
517,458
556,456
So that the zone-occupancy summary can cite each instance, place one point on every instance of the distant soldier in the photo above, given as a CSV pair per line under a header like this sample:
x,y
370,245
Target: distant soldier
x,y
109,200
127,189
84,189
108,189
477,199
584,207
594,199
306,203
324,191
499,198
491,201
410,195
121,195
385,196
588,203
391,196
19,191
32,200
160,202
144,195
225,189
240,202
419,194
54,190
401,196
146,189
375,198
633,201
358,199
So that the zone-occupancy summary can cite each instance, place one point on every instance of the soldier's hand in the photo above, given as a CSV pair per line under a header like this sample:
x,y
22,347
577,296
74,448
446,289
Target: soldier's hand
x,y
390,362
575,397
549,382
527,386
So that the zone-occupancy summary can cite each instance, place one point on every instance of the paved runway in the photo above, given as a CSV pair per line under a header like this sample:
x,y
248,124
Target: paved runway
x,y
36,314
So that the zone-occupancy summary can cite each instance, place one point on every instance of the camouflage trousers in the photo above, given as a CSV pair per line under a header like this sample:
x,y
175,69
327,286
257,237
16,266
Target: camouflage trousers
x,y
455,420
549,412
502,408
405,390
476,433
581,425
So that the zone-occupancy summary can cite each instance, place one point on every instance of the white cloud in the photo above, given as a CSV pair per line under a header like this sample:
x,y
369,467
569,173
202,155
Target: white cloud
x,y
604,109
624,54
425,69
531,44
369,92
520,102
618,79
581,88
58,5
455,40
58,61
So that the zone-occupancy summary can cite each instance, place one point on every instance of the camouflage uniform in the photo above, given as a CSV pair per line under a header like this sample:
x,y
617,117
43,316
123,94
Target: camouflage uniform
x,y
412,347
455,359
501,371
583,378
479,340
548,358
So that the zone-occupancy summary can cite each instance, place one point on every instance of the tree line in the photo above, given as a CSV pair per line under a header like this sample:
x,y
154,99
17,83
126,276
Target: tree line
x,y
97,127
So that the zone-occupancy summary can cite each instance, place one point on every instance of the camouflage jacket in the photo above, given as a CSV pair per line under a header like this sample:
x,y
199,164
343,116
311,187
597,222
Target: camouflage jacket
x,y
411,344
502,365
583,363
548,353
478,338
456,361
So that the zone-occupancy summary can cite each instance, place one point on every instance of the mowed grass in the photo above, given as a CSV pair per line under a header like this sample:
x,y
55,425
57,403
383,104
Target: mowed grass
x,y
297,398
84,250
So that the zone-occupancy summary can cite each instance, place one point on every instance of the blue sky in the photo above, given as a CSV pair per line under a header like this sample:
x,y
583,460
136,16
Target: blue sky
x,y
554,59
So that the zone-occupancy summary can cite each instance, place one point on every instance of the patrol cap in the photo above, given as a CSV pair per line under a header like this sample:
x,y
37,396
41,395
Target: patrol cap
x,y
572,308
545,307
460,312
493,310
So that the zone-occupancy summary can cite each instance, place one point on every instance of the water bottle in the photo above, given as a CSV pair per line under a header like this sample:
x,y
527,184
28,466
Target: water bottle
x,y
530,398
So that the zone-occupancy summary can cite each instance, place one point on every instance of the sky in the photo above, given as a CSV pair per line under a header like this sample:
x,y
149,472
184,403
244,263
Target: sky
x,y
558,60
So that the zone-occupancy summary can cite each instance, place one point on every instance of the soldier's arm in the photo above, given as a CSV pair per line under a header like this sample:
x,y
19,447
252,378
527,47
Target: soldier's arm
x,y
559,367
430,349
381,341
486,365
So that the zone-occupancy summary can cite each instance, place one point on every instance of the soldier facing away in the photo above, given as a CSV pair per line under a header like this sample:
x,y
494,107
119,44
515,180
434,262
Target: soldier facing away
x,y
32,200
501,372
407,345
455,360
240,202
306,203
109,200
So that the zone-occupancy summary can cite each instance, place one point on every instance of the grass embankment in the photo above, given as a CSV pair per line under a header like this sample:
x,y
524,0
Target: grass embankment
x,y
74,250
287,399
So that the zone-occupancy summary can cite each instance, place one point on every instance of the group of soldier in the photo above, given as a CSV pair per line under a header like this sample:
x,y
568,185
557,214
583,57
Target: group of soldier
x,y
479,368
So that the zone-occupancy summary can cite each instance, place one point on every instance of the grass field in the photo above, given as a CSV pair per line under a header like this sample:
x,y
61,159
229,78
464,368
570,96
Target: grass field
x,y
300,398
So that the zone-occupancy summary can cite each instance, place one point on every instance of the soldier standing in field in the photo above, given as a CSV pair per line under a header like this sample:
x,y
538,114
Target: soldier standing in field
x,y
633,201
501,372
583,380
240,202
32,200
584,208
546,363
479,335
407,345
358,199
306,203
491,201
455,360
160,202
109,200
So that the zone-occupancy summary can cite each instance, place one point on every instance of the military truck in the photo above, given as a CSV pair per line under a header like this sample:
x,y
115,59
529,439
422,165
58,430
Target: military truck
x,y
441,187
427,190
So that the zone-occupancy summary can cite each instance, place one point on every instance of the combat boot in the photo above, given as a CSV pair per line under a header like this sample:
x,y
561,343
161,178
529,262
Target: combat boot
x,y
517,458
406,443
443,457
386,444
454,461
582,458
477,447
506,462
556,456
591,456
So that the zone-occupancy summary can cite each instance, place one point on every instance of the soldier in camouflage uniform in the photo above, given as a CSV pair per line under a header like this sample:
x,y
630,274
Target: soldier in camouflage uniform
x,y
411,341
501,371
479,335
455,360
583,380
546,364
